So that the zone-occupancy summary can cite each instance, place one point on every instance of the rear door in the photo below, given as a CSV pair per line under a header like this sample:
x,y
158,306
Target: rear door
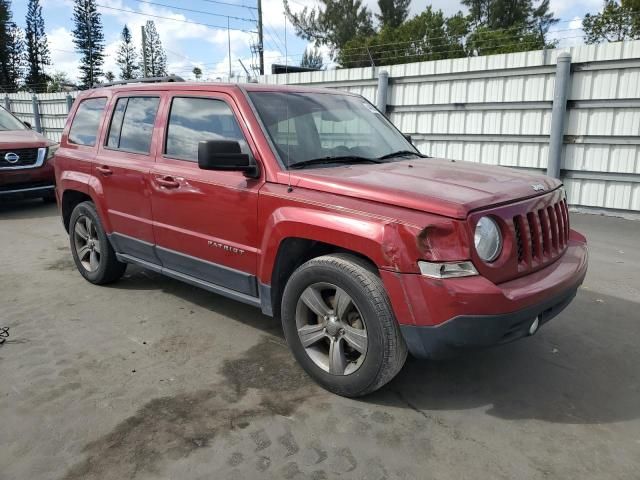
x,y
123,164
205,221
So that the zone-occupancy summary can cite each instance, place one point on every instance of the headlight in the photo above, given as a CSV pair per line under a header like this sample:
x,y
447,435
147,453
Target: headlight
x,y
487,239
52,149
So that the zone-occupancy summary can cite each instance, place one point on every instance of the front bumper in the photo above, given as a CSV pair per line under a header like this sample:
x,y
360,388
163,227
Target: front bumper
x,y
27,183
438,317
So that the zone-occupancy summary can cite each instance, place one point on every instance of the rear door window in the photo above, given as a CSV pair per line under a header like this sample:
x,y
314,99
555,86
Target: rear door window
x,y
194,119
132,123
84,128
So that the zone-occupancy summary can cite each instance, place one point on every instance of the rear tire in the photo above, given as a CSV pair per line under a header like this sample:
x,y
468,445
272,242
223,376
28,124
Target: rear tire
x,y
365,333
92,252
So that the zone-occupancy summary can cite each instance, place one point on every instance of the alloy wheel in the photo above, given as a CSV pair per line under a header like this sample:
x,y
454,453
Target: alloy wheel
x,y
331,328
87,243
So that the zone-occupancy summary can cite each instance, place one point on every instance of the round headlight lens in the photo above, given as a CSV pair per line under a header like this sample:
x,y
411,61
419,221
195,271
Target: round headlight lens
x,y
487,239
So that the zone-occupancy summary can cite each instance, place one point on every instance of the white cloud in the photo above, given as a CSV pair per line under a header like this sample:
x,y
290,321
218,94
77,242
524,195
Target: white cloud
x,y
63,56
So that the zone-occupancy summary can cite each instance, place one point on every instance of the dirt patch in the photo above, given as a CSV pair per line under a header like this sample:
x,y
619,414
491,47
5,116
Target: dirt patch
x,y
174,427
63,264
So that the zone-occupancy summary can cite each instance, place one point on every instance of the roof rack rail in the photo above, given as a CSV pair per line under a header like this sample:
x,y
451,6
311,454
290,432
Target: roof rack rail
x,y
170,78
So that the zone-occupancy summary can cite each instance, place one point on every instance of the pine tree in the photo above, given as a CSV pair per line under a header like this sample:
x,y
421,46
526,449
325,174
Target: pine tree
x,y
156,58
333,23
312,58
5,26
393,13
127,58
37,48
89,41
15,56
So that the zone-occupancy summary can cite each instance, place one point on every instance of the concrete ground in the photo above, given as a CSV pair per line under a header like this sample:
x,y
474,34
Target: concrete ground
x,y
153,379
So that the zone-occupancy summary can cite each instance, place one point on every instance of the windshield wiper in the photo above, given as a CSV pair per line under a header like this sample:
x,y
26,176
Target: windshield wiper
x,y
401,153
329,160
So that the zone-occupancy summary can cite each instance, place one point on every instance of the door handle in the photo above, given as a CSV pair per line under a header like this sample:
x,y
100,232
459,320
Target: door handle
x,y
167,182
104,170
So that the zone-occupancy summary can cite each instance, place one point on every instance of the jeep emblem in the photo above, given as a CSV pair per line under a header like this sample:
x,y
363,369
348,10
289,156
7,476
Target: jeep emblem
x,y
12,157
538,187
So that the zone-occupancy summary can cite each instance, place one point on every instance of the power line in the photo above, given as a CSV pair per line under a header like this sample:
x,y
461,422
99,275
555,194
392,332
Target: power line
x,y
221,27
243,19
232,4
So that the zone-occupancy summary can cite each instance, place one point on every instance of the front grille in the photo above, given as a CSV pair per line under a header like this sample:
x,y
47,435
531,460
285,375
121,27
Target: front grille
x,y
28,157
541,235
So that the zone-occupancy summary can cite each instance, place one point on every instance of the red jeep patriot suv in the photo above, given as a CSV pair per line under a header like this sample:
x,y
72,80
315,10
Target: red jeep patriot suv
x,y
26,169
312,206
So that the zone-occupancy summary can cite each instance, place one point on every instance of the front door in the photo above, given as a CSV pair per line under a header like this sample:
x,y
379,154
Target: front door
x,y
123,165
204,221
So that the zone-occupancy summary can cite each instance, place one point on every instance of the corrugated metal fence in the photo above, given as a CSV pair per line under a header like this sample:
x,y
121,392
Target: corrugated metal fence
x,y
497,110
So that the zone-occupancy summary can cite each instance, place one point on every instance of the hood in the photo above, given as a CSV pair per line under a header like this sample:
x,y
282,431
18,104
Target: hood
x,y
446,187
22,139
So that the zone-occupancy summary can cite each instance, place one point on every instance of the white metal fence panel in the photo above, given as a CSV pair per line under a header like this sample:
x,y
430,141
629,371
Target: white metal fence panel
x,y
494,110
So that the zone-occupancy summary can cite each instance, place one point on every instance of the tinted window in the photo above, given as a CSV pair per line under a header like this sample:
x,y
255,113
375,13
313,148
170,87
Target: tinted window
x,y
194,119
132,124
9,122
116,123
84,129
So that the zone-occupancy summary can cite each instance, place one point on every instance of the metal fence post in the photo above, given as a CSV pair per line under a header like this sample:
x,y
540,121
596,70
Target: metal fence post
x,y
381,97
558,114
69,102
36,113
7,102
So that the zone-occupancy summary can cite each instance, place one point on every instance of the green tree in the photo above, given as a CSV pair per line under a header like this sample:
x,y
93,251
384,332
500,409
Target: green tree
x,y
156,58
58,82
127,58
37,48
428,36
5,27
393,13
616,22
504,26
89,41
333,23
197,72
15,61
312,58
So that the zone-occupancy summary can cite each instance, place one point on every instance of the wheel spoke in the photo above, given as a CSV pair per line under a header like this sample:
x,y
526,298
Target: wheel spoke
x,y
310,334
83,252
94,260
337,360
90,228
342,303
81,230
355,337
96,246
312,298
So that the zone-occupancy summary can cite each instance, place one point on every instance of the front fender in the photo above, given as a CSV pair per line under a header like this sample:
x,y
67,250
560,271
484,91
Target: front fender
x,y
379,240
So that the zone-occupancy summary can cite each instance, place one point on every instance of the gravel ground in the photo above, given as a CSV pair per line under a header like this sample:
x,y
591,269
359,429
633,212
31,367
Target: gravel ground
x,y
153,379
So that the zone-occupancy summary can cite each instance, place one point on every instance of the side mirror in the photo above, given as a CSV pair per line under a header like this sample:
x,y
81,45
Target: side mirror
x,y
407,137
225,155
28,125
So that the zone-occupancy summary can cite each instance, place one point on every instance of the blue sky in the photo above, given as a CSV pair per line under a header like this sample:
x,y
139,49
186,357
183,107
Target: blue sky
x,y
204,44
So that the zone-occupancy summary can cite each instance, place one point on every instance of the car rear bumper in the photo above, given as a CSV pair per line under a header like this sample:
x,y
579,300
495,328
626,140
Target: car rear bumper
x,y
438,317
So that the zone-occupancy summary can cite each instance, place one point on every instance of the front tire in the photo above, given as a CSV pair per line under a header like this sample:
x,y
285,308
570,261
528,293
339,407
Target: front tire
x,y
92,252
340,327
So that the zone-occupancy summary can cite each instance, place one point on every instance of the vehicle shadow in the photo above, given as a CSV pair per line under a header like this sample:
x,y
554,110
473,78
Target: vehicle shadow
x,y
26,209
137,278
582,368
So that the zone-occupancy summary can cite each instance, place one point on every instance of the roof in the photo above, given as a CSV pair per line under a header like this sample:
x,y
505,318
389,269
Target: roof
x,y
209,86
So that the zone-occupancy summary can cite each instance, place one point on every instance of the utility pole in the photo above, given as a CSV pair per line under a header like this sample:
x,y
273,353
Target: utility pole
x,y
144,52
90,51
229,42
260,41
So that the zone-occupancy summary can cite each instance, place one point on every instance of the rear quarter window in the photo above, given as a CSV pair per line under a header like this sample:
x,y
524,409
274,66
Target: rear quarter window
x,y
85,124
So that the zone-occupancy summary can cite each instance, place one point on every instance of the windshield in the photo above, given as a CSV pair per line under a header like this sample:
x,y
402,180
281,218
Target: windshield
x,y
9,122
316,128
